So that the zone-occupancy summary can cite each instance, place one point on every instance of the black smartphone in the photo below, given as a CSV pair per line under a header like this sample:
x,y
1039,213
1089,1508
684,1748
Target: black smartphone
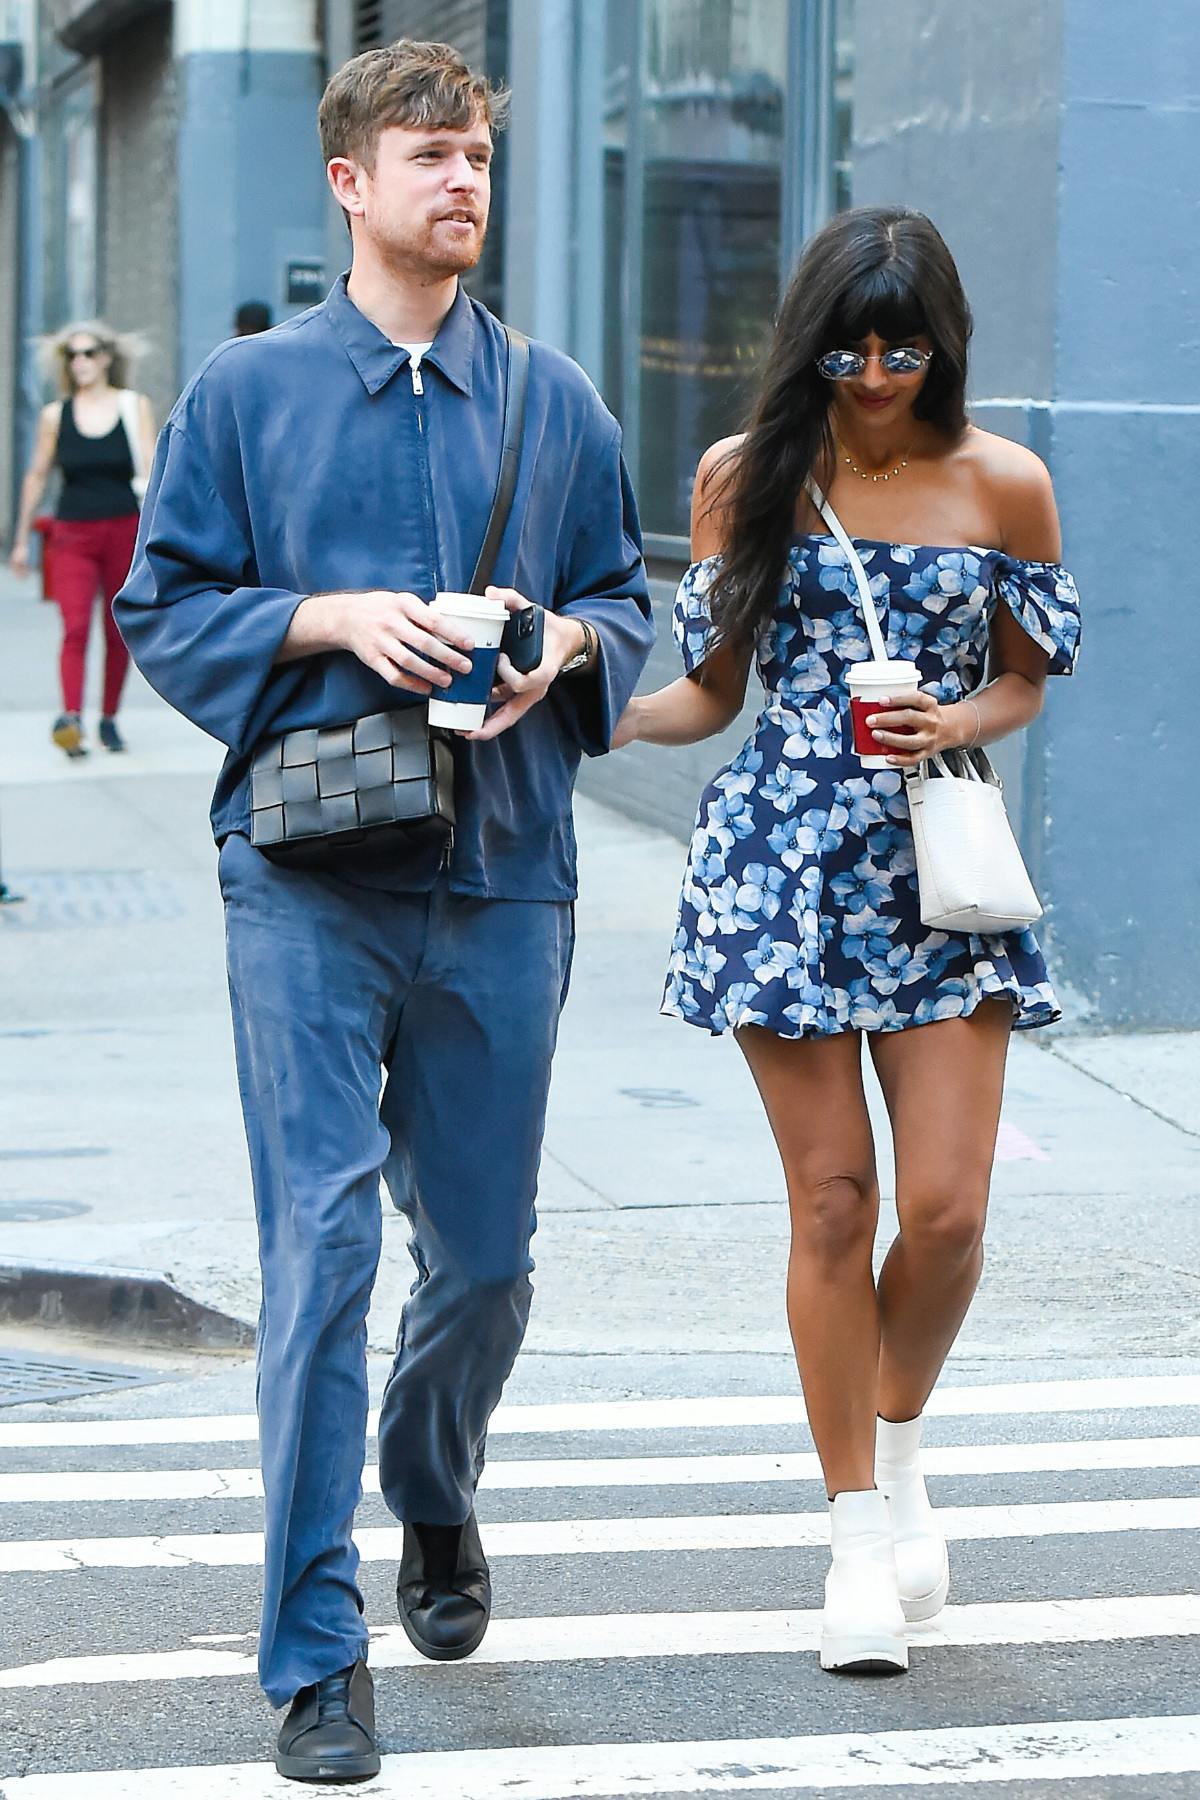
x,y
524,638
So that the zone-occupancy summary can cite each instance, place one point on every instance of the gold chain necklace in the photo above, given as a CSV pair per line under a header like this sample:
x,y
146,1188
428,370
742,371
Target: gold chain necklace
x,y
883,474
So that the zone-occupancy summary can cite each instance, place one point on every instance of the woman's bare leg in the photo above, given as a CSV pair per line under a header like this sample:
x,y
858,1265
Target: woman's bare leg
x,y
813,1093
943,1084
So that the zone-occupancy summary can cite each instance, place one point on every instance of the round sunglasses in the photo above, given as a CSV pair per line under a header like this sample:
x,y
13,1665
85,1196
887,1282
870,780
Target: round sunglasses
x,y
848,365
89,350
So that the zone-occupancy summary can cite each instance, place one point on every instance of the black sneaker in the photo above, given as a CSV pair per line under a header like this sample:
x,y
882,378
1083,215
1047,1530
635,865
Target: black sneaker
x,y
329,1733
108,734
67,733
444,1590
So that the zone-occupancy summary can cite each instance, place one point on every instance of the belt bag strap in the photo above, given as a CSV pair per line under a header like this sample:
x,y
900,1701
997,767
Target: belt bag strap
x,y
515,389
368,791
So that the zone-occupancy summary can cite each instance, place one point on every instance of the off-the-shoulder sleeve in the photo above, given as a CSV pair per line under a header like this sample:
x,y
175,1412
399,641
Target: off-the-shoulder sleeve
x,y
691,620
1044,601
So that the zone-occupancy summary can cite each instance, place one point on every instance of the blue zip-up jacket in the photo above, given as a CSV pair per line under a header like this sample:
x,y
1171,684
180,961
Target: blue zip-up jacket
x,y
308,459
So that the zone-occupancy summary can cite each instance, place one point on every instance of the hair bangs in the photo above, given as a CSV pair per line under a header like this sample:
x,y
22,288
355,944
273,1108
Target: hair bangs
x,y
880,301
444,104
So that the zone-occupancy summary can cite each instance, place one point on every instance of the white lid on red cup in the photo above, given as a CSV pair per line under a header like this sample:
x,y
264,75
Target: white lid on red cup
x,y
882,677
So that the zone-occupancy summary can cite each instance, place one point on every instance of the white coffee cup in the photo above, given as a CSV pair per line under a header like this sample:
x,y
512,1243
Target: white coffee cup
x,y
869,683
463,705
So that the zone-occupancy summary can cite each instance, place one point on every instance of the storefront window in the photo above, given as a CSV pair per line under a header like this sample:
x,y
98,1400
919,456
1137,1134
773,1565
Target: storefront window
x,y
694,135
713,112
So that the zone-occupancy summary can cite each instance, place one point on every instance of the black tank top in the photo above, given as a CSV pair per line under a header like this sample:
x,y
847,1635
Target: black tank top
x,y
97,472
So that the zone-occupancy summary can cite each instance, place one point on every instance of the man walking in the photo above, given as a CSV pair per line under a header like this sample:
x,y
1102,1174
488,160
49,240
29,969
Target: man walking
x,y
314,488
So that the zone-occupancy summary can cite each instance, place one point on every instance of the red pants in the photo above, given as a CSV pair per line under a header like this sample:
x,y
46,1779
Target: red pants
x,y
91,556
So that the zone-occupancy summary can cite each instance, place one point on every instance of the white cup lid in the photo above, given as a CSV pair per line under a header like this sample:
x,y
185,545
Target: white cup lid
x,y
470,606
878,673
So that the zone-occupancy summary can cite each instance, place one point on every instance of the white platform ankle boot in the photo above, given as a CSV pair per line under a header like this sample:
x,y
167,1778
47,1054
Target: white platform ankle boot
x,y
862,1627
921,1560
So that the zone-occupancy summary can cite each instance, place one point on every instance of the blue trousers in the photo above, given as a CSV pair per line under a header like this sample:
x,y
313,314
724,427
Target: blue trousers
x,y
408,1035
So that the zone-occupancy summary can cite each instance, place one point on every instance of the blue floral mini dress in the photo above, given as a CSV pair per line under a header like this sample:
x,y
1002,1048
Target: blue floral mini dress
x,y
800,908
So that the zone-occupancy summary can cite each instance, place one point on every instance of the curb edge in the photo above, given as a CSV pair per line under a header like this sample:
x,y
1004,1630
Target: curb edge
x,y
139,1306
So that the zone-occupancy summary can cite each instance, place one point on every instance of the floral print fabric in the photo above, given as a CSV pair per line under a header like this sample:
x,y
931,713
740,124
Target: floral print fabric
x,y
800,908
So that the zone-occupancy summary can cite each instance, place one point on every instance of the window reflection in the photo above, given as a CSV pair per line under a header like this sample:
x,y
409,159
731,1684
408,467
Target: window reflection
x,y
713,99
697,119
697,109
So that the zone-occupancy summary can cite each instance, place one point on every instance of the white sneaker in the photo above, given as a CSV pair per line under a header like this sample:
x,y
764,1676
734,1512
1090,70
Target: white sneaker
x,y
863,1624
921,1560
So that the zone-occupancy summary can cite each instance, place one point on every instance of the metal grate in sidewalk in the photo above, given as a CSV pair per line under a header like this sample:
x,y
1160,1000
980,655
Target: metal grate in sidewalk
x,y
27,1375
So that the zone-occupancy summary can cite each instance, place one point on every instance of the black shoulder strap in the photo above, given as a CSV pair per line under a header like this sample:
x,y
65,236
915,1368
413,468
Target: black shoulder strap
x,y
516,383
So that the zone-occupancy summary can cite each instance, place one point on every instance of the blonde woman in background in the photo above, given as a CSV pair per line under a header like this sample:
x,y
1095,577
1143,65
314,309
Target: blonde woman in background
x,y
100,437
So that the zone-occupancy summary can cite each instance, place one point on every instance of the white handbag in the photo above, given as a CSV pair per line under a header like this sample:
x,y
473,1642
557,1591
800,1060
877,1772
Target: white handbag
x,y
129,410
970,872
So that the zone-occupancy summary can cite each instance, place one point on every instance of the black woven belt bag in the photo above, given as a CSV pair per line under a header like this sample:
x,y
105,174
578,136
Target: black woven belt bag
x,y
351,792
367,792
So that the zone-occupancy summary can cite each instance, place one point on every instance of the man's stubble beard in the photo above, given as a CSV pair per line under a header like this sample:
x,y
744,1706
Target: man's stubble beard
x,y
416,257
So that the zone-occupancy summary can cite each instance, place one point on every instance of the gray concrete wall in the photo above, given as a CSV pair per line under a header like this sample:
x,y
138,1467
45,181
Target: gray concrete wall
x,y
956,112
252,191
138,249
9,351
1058,149
1121,848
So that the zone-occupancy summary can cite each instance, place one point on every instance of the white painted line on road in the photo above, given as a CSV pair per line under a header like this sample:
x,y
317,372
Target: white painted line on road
x,y
79,1487
1002,1398
623,1636
606,1537
1086,1749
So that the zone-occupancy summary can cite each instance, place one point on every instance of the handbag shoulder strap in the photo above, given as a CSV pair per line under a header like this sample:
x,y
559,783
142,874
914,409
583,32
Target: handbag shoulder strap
x,y
866,598
515,387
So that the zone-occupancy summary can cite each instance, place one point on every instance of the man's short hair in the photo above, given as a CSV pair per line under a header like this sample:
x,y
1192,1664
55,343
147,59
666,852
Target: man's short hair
x,y
421,85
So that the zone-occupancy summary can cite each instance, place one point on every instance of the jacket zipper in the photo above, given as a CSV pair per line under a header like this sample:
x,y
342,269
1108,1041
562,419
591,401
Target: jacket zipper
x,y
418,388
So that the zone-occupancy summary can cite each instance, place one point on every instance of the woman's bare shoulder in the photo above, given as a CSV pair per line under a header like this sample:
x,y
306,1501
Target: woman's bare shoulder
x,y
716,457
712,472
1005,467
1016,484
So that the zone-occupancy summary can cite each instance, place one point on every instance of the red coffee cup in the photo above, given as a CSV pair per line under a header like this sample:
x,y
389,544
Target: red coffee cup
x,y
870,683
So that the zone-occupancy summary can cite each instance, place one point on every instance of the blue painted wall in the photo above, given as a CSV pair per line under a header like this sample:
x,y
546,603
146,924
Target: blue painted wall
x,y
252,189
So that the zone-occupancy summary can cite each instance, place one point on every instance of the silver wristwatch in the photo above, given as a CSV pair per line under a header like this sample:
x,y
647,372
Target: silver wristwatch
x,y
583,657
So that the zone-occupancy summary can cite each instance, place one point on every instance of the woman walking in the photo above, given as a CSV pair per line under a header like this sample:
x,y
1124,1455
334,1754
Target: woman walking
x,y
799,925
100,436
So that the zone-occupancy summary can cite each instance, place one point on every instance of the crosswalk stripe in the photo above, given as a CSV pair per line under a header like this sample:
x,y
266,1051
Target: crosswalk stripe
x,y
77,1487
607,1537
1003,1398
625,1636
1096,1749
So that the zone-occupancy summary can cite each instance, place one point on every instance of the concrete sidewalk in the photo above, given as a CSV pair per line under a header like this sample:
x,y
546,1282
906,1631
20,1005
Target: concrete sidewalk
x,y
663,1225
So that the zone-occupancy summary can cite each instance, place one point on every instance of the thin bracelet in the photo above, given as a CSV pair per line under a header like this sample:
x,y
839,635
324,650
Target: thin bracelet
x,y
591,644
967,701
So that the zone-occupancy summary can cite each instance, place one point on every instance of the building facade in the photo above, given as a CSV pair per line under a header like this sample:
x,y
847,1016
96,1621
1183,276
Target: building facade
x,y
665,162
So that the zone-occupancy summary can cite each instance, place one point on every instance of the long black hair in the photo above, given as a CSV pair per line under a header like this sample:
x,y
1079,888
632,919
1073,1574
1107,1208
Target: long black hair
x,y
875,269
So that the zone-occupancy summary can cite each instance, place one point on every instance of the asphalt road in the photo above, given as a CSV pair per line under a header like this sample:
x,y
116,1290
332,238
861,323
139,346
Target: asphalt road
x,y
657,1574
654,1625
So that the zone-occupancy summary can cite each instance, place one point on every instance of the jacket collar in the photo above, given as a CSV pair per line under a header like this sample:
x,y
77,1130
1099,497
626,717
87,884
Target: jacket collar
x,y
377,359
